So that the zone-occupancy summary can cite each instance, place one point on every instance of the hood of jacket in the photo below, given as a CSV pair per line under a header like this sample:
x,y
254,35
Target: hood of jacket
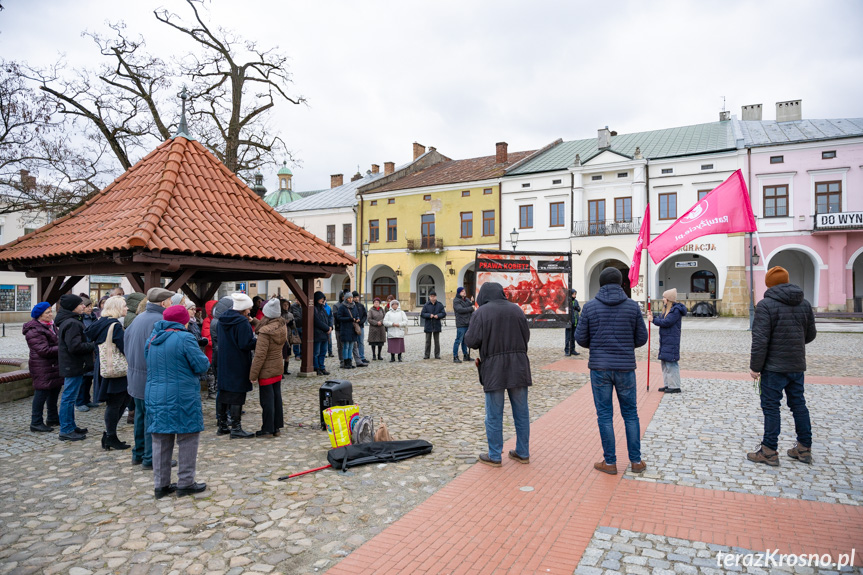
x,y
64,315
222,306
161,328
99,330
274,328
232,317
490,291
611,294
33,324
681,309
208,307
789,294
133,300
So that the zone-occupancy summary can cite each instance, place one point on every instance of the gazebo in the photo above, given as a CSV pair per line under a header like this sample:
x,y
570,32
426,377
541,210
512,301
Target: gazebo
x,y
180,215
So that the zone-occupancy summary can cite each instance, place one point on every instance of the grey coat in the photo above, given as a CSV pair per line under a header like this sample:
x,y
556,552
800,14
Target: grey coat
x,y
134,342
377,333
463,310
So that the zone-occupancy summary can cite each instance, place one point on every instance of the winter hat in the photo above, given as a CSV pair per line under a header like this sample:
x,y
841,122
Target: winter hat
x,y
459,291
273,308
356,293
670,294
395,302
40,308
348,295
610,276
85,300
377,299
177,313
775,276
70,301
177,299
432,292
158,295
318,295
190,305
241,301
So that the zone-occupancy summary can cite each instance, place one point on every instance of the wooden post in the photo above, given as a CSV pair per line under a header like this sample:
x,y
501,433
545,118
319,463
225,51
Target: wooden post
x,y
152,278
308,346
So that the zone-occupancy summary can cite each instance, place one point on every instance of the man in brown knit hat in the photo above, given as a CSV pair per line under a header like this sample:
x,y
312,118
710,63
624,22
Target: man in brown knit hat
x,y
783,325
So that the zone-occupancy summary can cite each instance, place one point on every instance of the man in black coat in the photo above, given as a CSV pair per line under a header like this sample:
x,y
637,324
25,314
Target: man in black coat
x,y
574,308
359,348
75,358
297,311
432,312
498,329
783,325
237,341
463,309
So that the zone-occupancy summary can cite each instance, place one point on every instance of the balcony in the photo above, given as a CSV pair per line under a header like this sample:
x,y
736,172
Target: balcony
x,y
425,244
606,228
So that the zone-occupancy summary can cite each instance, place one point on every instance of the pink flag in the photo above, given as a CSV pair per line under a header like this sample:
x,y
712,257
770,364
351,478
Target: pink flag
x,y
725,210
642,243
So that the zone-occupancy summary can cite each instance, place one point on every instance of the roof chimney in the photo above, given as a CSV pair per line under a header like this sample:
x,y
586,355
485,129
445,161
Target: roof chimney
x,y
500,153
357,176
376,169
790,111
419,150
389,168
751,112
336,180
724,116
603,138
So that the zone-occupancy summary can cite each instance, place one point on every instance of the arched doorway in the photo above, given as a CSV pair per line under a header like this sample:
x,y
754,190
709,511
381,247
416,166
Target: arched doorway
x,y
346,285
425,285
384,286
424,280
688,273
857,282
467,279
609,263
802,271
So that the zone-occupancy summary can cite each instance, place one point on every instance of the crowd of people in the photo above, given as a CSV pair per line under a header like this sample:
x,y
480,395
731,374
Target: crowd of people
x,y
151,354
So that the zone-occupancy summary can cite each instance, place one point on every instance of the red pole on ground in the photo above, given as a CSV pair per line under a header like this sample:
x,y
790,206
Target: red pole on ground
x,y
304,472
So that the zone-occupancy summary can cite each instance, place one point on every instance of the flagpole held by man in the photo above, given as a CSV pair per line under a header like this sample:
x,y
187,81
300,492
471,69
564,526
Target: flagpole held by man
x,y
642,243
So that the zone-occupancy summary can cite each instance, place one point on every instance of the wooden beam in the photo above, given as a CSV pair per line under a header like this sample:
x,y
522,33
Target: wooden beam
x,y
267,267
136,280
210,291
308,346
152,279
181,279
296,289
49,285
190,293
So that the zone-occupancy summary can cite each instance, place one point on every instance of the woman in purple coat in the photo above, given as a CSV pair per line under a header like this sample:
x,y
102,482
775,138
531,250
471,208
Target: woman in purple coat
x,y
44,368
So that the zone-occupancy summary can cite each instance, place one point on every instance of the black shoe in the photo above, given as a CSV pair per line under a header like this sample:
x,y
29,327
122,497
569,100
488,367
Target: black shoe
x,y
675,390
173,463
136,462
161,492
52,422
147,466
192,489
437,357
74,436
361,364
318,372
237,431
392,358
456,360
324,372
426,357
41,428
81,430
575,353
400,358
567,354
330,355
262,433
113,442
662,389
468,358
104,437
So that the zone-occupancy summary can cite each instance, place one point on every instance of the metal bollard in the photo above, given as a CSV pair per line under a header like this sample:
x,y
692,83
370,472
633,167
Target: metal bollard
x,y
4,329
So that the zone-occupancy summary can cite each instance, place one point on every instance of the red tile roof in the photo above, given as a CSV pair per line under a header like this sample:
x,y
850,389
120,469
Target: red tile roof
x,y
179,199
454,172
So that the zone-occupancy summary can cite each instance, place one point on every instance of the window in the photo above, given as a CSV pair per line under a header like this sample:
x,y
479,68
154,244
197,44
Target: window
x,y
392,230
775,201
706,166
525,216
467,224
29,230
374,202
465,193
374,231
703,282
557,215
828,155
347,234
777,159
667,170
702,193
555,182
427,197
427,226
596,178
828,197
18,296
622,174
384,286
596,217
525,185
623,209
331,235
391,201
488,222
668,206
486,192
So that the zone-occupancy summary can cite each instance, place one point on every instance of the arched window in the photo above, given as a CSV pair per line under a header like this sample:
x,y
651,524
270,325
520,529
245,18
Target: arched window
x,y
425,285
703,281
384,286
346,285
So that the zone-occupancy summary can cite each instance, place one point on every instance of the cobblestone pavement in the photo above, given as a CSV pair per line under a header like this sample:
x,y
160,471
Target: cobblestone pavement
x,y
700,438
613,551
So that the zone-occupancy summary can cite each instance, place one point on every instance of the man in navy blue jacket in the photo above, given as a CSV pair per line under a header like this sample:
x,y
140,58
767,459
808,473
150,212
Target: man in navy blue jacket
x,y
611,327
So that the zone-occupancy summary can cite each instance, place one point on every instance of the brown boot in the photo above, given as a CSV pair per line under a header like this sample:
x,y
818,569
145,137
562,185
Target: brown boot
x,y
801,453
639,467
609,468
764,455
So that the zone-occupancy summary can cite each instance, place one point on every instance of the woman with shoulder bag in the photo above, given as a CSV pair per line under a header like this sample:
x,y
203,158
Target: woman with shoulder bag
x,y
107,334
396,322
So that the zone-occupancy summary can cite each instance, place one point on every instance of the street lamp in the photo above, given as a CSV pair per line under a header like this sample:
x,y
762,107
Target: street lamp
x,y
365,266
754,259
513,238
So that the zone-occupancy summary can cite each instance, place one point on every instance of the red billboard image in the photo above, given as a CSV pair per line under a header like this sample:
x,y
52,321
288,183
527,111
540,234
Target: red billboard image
x,y
538,282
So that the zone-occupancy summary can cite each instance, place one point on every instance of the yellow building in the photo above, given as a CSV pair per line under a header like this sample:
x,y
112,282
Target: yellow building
x,y
424,222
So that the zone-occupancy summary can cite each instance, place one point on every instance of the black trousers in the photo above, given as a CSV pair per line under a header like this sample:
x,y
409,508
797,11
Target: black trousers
x,y
40,398
569,344
114,405
271,407
436,335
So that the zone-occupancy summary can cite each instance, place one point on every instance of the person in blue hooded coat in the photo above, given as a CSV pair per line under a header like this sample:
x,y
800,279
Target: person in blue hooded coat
x,y
236,340
175,363
670,324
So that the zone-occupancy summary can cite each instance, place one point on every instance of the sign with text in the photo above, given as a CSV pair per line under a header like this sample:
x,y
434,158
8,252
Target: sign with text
x,y
691,264
839,220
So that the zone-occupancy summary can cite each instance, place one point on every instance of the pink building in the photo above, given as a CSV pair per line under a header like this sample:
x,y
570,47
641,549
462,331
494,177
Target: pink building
x,y
806,184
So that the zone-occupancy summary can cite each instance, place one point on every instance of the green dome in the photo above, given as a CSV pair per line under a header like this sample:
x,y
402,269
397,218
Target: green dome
x,y
281,197
285,171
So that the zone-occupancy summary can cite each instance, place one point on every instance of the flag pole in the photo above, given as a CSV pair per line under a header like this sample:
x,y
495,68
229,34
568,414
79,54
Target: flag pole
x,y
649,323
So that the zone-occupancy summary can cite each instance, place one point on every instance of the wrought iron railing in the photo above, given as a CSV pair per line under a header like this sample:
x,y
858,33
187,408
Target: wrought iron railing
x,y
606,227
425,243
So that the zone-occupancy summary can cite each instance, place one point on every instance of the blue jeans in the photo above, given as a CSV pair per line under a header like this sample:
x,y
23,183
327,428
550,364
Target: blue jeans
x,y
459,339
347,350
772,385
494,421
143,450
360,347
330,343
298,354
603,383
71,388
320,354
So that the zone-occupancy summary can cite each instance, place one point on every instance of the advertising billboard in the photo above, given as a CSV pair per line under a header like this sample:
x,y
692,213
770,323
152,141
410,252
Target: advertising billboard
x,y
539,282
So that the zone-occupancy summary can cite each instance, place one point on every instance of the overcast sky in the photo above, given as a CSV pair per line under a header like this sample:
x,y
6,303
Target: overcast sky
x,y
462,75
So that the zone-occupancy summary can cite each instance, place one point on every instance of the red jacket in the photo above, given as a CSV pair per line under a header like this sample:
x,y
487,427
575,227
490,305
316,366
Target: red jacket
x,y
205,328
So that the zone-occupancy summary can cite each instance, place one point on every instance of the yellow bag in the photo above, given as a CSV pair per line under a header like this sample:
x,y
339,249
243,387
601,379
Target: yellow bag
x,y
338,420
